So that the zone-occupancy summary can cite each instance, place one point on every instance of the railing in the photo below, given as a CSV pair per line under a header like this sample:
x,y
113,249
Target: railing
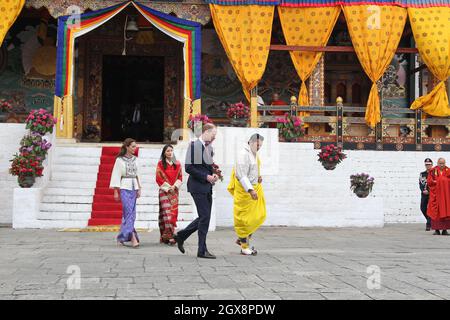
x,y
339,120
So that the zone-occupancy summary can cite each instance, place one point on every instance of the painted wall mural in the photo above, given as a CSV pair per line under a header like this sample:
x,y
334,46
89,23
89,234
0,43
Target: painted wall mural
x,y
27,67
395,85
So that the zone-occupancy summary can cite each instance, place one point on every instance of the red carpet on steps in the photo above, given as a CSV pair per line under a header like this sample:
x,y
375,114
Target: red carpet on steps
x,y
105,210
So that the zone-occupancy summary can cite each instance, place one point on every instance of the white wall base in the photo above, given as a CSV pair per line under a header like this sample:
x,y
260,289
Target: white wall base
x,y
299,192
26,206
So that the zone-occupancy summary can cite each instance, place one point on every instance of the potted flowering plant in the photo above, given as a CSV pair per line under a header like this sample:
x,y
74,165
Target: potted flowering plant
x,y
239,114
330,156
195,123
26,166
35,144
40,121
5,106
361,184
290,127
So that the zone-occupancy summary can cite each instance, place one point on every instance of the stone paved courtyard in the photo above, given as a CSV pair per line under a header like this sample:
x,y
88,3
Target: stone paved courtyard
x,y
293,263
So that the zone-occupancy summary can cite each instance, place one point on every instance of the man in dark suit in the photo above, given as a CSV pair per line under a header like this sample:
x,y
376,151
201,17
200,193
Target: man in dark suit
x,y
198,165
425,191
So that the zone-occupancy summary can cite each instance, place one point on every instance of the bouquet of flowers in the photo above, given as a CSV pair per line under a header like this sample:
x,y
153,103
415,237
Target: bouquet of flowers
x,y
290,127
361,184
26,164
216,170
238,111
33,143
195,123
40,121
330,156
5,106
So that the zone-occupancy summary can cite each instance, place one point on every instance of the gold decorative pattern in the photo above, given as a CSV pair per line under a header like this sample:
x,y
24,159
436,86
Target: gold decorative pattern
x,y
193,10
316,84
333,128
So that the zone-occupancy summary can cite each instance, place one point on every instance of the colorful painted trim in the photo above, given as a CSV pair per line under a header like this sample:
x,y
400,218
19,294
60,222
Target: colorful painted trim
x,y
69,28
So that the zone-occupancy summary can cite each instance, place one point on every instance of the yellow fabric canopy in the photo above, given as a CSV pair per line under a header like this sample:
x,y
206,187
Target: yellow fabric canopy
x,y
431,29
307,27
375,32
245,33
9,11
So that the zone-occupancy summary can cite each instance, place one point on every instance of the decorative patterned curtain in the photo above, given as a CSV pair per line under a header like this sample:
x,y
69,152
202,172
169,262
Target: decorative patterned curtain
x,y
9,11
245,33
330,3
375,32
323,3
431,29
307,27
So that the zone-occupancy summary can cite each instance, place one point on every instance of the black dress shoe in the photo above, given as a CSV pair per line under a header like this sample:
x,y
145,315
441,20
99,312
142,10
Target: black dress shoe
x,y
179,243
444,233
206,255
437,233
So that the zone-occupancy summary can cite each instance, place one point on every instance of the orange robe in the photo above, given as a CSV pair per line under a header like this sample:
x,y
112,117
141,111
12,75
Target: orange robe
x,y
277,112
439,203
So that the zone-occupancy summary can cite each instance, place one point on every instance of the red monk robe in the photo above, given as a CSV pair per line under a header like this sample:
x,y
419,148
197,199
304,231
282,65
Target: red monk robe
x,y
277,112
439,204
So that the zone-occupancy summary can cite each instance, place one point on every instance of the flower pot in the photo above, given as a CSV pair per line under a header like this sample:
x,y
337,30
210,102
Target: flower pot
x,y
26,181
239,122
284,139
329,165
361,192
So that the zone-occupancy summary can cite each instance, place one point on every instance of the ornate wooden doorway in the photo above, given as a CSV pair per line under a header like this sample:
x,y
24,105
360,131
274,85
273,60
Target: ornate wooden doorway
x,y
93,121
133,98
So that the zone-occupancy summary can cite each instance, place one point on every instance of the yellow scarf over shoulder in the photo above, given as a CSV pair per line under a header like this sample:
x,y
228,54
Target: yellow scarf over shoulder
x,y
249,214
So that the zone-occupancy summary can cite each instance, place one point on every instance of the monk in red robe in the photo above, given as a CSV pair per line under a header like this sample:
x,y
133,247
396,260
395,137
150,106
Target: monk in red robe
x,y
439,204
276,101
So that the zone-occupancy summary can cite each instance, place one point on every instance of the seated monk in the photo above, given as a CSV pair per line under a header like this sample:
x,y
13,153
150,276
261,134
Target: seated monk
x,y
438,209
276,101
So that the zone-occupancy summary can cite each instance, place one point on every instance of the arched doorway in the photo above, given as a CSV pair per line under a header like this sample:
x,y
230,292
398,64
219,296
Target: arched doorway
x,y
137,95
186,32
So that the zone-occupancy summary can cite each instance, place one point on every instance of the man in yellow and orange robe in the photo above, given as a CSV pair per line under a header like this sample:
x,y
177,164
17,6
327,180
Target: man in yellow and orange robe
x,y
249,204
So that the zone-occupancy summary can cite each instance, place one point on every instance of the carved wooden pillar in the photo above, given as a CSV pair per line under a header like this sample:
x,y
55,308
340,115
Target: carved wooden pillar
x,y
93,92
317,84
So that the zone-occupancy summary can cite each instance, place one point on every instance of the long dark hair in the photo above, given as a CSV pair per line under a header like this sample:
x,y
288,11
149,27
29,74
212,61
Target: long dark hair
x,y
125,144
163,157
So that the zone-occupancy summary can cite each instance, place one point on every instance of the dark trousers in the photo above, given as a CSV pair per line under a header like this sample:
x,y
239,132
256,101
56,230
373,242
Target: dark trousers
x,y
203,202
423,208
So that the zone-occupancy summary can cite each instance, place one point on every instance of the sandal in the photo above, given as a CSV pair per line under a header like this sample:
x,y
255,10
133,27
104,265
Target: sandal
x,y
135,246
249,252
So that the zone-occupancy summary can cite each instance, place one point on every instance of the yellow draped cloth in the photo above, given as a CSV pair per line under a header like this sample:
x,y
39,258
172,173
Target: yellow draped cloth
x,y
375,32
249,214
307,27
245,33
431,29
9,11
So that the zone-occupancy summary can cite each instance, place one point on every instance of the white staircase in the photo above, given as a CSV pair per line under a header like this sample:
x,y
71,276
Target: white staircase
x,y
67,200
